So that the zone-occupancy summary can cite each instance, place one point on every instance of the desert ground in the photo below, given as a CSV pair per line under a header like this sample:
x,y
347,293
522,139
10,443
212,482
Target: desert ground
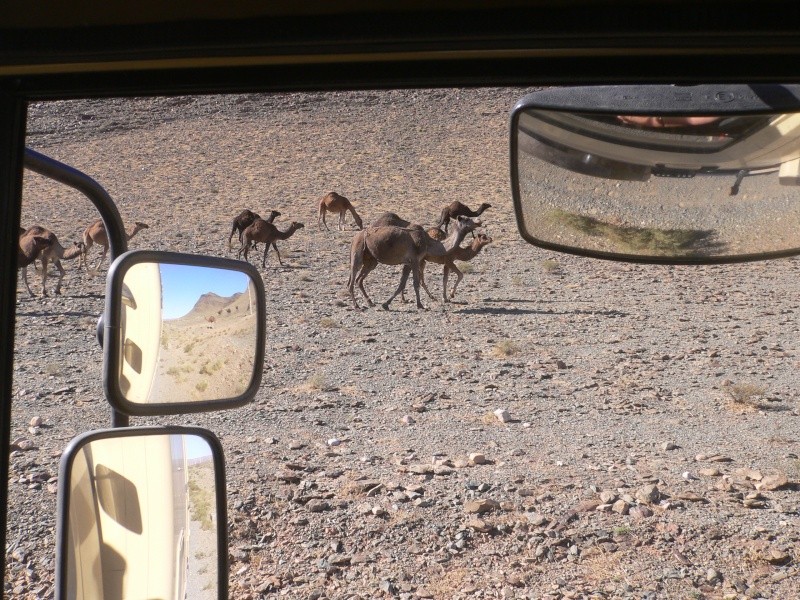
x,y
568,428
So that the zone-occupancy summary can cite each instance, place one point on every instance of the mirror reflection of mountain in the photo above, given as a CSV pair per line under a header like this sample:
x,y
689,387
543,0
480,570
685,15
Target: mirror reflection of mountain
x,y
210,307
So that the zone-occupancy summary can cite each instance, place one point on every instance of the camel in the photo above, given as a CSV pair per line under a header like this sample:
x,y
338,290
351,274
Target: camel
x,y
96,234
406,246
463,254
262,232
456,209
54,252
333,202
245,219
395,220
30,248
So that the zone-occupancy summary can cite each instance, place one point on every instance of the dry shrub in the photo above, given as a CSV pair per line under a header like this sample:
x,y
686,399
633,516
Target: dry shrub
x,y
745,397
505,348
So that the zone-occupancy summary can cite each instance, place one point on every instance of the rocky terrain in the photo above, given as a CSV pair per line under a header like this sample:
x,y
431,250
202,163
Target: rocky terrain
x,y
569,428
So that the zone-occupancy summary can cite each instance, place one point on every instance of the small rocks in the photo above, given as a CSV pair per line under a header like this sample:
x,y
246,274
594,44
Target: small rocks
x,y
476,458
481,506
502,415
648,494
773,482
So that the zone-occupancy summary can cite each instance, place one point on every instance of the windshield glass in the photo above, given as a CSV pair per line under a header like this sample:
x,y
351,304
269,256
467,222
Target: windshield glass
x,y
561,424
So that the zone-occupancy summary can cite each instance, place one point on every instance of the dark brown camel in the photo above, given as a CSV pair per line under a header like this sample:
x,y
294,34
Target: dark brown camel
x,y
457,209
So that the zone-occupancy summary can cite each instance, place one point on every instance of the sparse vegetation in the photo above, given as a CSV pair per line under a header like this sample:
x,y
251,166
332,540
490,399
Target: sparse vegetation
x,y
746,396
201,386
551,266
505,348
328,323
201,504
641,240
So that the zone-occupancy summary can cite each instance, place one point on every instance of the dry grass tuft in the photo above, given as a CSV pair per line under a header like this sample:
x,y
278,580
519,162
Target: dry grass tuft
x,y
505,348
745,397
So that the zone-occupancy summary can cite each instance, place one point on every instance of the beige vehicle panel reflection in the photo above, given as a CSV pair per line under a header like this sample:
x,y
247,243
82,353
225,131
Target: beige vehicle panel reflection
x,y
122,532
205,353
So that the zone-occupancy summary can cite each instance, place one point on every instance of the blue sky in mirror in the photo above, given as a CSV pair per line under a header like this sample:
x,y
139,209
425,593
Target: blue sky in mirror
x,y
183,285
192,446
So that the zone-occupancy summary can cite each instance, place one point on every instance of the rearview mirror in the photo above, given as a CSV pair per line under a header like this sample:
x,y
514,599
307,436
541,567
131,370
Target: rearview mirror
x,y
182,333
142,514
670,174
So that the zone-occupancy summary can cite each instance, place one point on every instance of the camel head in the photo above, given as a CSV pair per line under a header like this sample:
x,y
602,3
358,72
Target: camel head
x,y
41,242
483,207
295,226
273,214
137,226
466,224
482,240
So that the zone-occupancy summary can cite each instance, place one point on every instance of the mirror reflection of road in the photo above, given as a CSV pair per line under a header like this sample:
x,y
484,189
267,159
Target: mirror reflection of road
x,y
201,577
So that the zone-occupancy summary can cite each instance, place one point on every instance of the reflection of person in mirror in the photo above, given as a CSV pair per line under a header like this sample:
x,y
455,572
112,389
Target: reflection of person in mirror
x,y
645,121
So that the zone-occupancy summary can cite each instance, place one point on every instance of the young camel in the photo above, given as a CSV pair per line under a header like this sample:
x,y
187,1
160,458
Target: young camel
x,y
463,254
406,246
30,248
245,219
334,203
456,209
96,234
262,232
54,252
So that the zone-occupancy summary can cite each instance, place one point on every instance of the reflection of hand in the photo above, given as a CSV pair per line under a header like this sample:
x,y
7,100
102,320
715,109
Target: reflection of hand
x,y
644,121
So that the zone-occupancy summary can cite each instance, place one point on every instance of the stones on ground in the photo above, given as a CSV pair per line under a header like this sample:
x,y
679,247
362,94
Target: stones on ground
x,y
481,506
477,458
772,482
648,494
669,446
502,415
408,420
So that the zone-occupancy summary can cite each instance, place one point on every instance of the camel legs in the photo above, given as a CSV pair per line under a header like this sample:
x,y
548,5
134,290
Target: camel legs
x,y
25,281
61,273
266,249
342,216
102,258
321,219
356,266
414,269
367,267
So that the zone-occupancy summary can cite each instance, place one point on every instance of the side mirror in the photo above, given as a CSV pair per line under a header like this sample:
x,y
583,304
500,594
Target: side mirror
x,y
182,333
658,173
142,514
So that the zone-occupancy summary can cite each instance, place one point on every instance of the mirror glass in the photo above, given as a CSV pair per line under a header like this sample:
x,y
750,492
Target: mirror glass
x,y
699,188
189,333
141,519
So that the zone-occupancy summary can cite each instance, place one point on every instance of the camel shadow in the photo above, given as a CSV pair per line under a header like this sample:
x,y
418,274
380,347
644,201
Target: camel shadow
x,y
43,313
503,310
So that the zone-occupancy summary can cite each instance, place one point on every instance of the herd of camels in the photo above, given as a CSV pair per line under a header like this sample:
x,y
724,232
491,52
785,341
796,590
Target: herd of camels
x,y
388,240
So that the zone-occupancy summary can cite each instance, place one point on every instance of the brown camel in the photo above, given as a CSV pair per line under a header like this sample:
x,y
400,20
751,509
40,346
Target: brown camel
x,y
406,246
333,202
390,219
262,232
463,254
456,209
245,219
96,234
30,248
54,252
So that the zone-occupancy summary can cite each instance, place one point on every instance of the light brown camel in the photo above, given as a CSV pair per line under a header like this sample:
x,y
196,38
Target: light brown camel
x,y
96,234
245,219
406,246
334,203
463,254
54,252
262,232
30,248
456,209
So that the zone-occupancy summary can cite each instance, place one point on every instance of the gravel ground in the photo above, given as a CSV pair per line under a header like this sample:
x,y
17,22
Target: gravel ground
x,y
647,439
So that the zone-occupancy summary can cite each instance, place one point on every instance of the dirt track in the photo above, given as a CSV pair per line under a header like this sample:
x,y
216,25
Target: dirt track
x,y
349,475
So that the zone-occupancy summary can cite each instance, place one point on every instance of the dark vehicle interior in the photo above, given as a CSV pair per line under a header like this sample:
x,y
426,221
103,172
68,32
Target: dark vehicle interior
x,y
52,50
